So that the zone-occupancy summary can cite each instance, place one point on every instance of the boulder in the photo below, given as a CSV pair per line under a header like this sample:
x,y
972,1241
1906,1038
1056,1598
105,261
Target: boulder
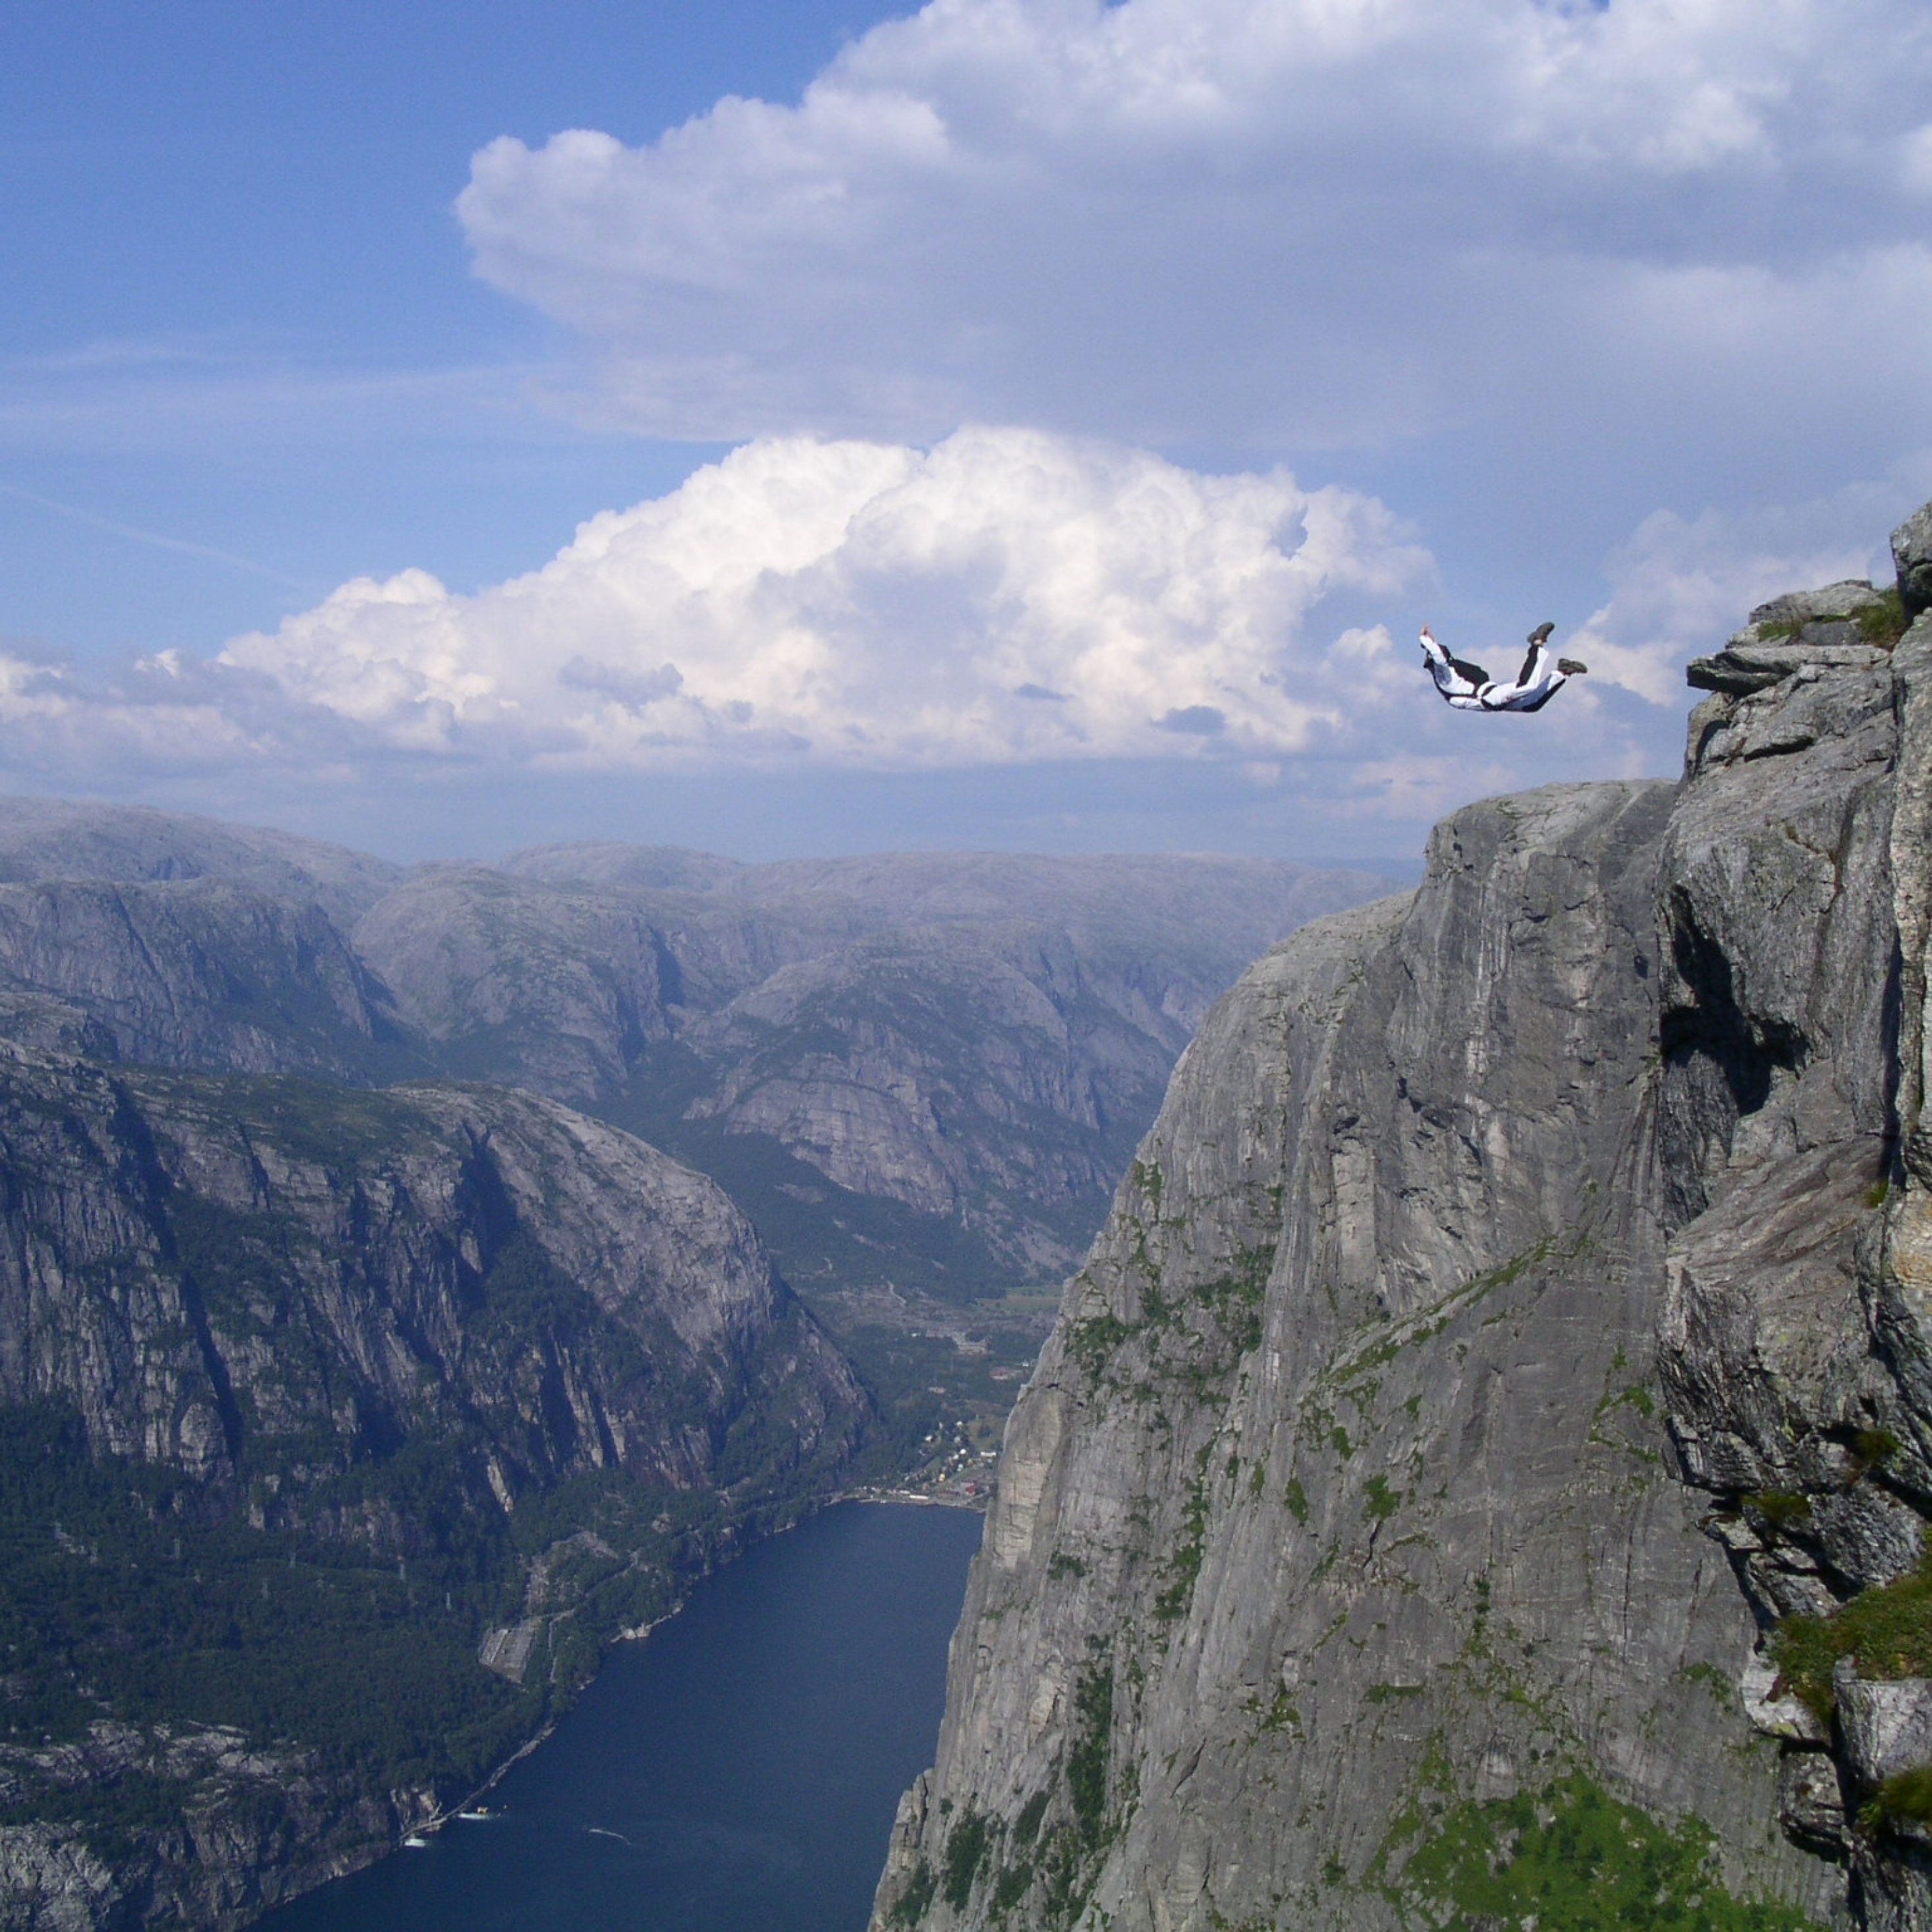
x,y
1884,1728
1912,557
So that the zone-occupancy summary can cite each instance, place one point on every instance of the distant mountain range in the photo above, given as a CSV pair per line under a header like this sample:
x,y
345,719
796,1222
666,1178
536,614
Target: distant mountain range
x,y
358,1381
929,1069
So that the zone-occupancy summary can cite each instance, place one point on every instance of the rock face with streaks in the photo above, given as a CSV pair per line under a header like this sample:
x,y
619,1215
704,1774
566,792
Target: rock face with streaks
x,y
201,973
223,1276
1489,1450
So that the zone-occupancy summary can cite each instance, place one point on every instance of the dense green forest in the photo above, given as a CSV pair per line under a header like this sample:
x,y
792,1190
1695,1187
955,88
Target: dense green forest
x,y
123,1593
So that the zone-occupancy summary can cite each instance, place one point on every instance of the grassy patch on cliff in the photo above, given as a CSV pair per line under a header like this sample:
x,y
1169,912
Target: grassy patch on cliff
x,y
1573,1858
1184,1565
1039,1867
1887,1629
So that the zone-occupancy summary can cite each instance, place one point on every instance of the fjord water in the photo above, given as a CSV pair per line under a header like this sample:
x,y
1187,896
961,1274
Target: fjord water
x,y
735,1772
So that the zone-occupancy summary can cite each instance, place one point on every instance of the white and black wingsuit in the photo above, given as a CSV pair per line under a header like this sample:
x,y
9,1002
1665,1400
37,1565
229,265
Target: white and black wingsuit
x,y
1468,687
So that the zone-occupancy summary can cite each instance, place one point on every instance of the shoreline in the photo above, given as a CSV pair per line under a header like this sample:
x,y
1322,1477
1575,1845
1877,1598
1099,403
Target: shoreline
x,y
919,1498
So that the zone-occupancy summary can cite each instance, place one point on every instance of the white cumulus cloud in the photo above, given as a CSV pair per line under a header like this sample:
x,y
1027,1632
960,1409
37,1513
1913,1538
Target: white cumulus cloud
x,y
1008,598
1010,595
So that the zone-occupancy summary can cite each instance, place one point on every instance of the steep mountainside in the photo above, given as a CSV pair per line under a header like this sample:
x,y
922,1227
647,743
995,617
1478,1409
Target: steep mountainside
x,y
308,1394
1515,1270
201,973
929,1069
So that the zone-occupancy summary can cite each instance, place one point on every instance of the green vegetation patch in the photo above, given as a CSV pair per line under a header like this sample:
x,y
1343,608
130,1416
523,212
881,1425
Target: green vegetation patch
x,y
1147,1180
1572,1858
334,1127
1011,1885
1383,1502
1883,623
1779,1508
1184,1566
1087,1762
112,1601
1872,1446
1905,1799
1887,1629
966,1847
1388,1693
1033,1815
1091,1342
1635,1397
922,1888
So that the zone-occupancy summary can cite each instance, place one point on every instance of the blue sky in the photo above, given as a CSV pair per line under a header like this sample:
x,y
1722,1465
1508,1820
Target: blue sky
x,y
1021,422
240,313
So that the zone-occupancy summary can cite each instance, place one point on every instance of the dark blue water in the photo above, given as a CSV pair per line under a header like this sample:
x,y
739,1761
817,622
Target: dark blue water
x,y
736,1772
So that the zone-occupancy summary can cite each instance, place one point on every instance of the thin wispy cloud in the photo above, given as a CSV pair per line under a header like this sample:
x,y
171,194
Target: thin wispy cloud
x,y
123,399
154,539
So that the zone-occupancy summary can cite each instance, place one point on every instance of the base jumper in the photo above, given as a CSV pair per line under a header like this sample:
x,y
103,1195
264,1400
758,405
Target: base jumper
x,y
1468,687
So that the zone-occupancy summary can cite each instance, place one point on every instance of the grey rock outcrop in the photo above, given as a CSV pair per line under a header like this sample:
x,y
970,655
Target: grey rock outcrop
x,y
1792,1106
1845,626
1339,1489
1911,558
1514,1272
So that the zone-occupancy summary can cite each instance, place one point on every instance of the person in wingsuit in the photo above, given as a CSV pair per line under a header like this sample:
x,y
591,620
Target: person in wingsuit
x,y
1468,687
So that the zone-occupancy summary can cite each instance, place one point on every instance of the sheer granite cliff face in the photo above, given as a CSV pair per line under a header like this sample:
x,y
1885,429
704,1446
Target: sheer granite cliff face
x,y
1515,1270
1797,1331
199,972
231,1277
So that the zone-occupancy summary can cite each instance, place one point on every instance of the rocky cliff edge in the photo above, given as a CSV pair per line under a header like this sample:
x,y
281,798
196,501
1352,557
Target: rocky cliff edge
x,y
1481,1474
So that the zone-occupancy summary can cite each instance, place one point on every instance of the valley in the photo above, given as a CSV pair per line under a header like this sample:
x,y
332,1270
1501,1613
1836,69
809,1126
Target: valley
x,y
363,1374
